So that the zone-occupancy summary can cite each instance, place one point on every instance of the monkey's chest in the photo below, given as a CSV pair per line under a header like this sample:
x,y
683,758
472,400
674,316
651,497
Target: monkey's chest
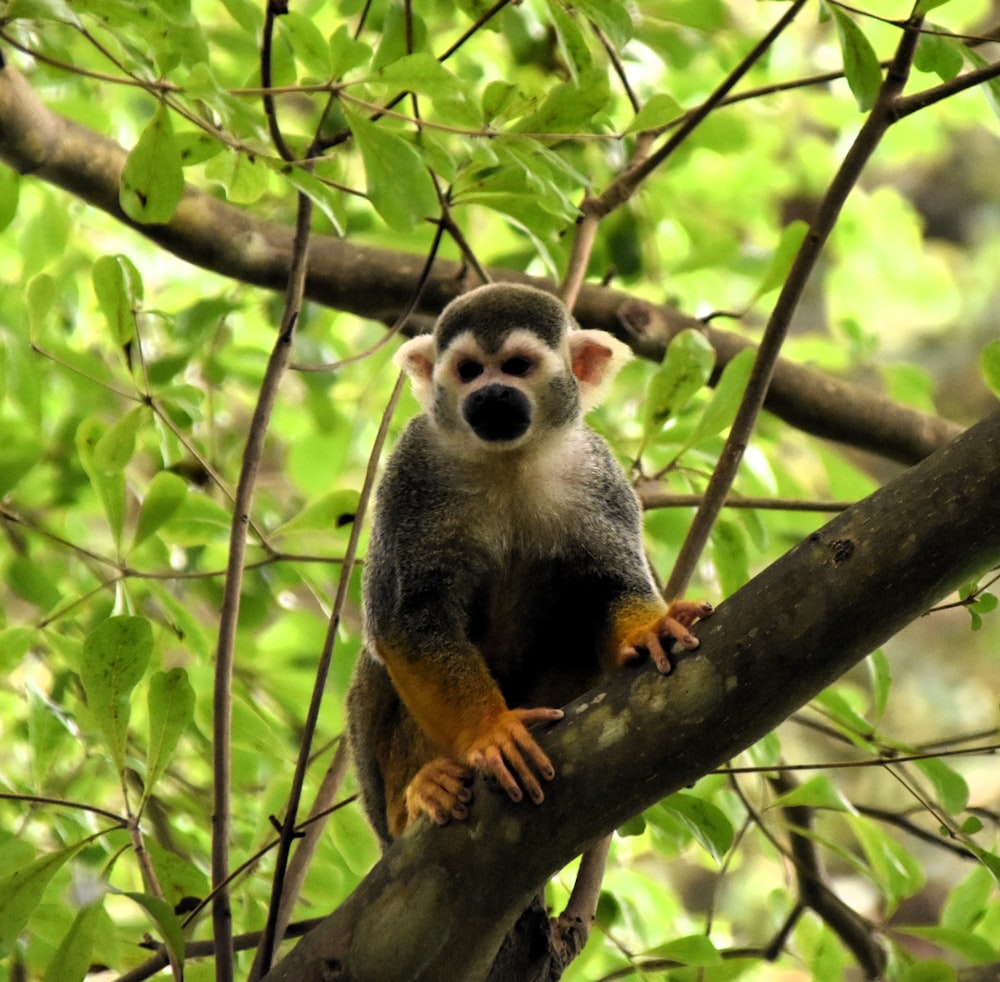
x,y
541,626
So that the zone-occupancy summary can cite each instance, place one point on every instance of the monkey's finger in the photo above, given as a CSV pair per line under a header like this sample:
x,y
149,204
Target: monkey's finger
x,y
686,612
490,760
680,632
525,773
539,714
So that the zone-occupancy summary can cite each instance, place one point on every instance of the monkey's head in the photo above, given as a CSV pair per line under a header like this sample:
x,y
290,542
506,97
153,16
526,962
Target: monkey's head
x,y
507,363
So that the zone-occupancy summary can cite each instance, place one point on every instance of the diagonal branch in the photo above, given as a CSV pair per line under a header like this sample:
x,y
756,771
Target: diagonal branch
x,y
440,901
378,283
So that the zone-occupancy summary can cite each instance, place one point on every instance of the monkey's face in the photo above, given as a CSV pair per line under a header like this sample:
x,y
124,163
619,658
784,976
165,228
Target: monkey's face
x,y
501,395
506,367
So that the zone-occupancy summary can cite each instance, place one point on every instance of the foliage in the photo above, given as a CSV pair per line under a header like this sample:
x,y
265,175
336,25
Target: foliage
x,y
129,382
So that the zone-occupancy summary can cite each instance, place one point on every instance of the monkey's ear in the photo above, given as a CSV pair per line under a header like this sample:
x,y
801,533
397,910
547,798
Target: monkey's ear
x,y
416,358
596,357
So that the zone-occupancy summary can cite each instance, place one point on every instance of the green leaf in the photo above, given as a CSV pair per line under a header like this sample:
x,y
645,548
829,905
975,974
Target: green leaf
x,y
33,583
171,709
312,50
115,656
21,892
244,178
938,53
969,901
41,297
611,16
346,52
861,64
10,193
152,182
108,485
657,111
881,677
950,787
398,183
686,367
780,265
989,364
991,87
843,713
116,445
730,555
326,198
895,870
695,949
119,290
19,453
165,920
329,512
72,962
423,74
165,495
706,822
973,948
197,146
722,407
817,792
924,6
569,106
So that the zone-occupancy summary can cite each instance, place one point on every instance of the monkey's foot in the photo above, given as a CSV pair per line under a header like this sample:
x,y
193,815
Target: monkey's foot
x,y
439,791
504,749
675,624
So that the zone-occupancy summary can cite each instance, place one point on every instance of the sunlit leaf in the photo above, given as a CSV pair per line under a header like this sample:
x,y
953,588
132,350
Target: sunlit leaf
x,y
109,485
165,495
951,788
817,792
72,960
21,892
119,289
311,49
971,947
171,709
695,949
861,64
115,656
656,111
722,407
989,363
398,183
781,262
166,921
152,182
686,367
116,445
706,822
969,900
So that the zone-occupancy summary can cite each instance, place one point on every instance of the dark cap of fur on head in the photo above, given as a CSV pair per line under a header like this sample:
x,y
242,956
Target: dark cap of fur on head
x,y
491,312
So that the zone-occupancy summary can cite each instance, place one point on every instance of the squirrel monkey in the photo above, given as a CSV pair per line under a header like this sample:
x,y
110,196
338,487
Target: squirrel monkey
x,y
505,570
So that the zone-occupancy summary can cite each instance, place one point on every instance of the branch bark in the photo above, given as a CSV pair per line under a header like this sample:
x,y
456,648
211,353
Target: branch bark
x,y
378,283
441,900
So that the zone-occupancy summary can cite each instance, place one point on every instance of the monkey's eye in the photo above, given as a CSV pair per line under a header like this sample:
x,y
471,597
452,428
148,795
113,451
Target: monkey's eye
x,y
517,366
469,369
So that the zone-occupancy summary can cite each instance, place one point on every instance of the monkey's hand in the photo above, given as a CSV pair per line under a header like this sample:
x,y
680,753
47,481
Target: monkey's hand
x,y
503,748
440,791
675,625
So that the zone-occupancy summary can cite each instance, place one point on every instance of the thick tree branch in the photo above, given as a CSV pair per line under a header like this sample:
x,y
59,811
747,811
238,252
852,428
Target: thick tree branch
x,y
441,900
378,283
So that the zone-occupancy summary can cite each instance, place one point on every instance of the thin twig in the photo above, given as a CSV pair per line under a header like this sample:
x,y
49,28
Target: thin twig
x,y
271,938
881,117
